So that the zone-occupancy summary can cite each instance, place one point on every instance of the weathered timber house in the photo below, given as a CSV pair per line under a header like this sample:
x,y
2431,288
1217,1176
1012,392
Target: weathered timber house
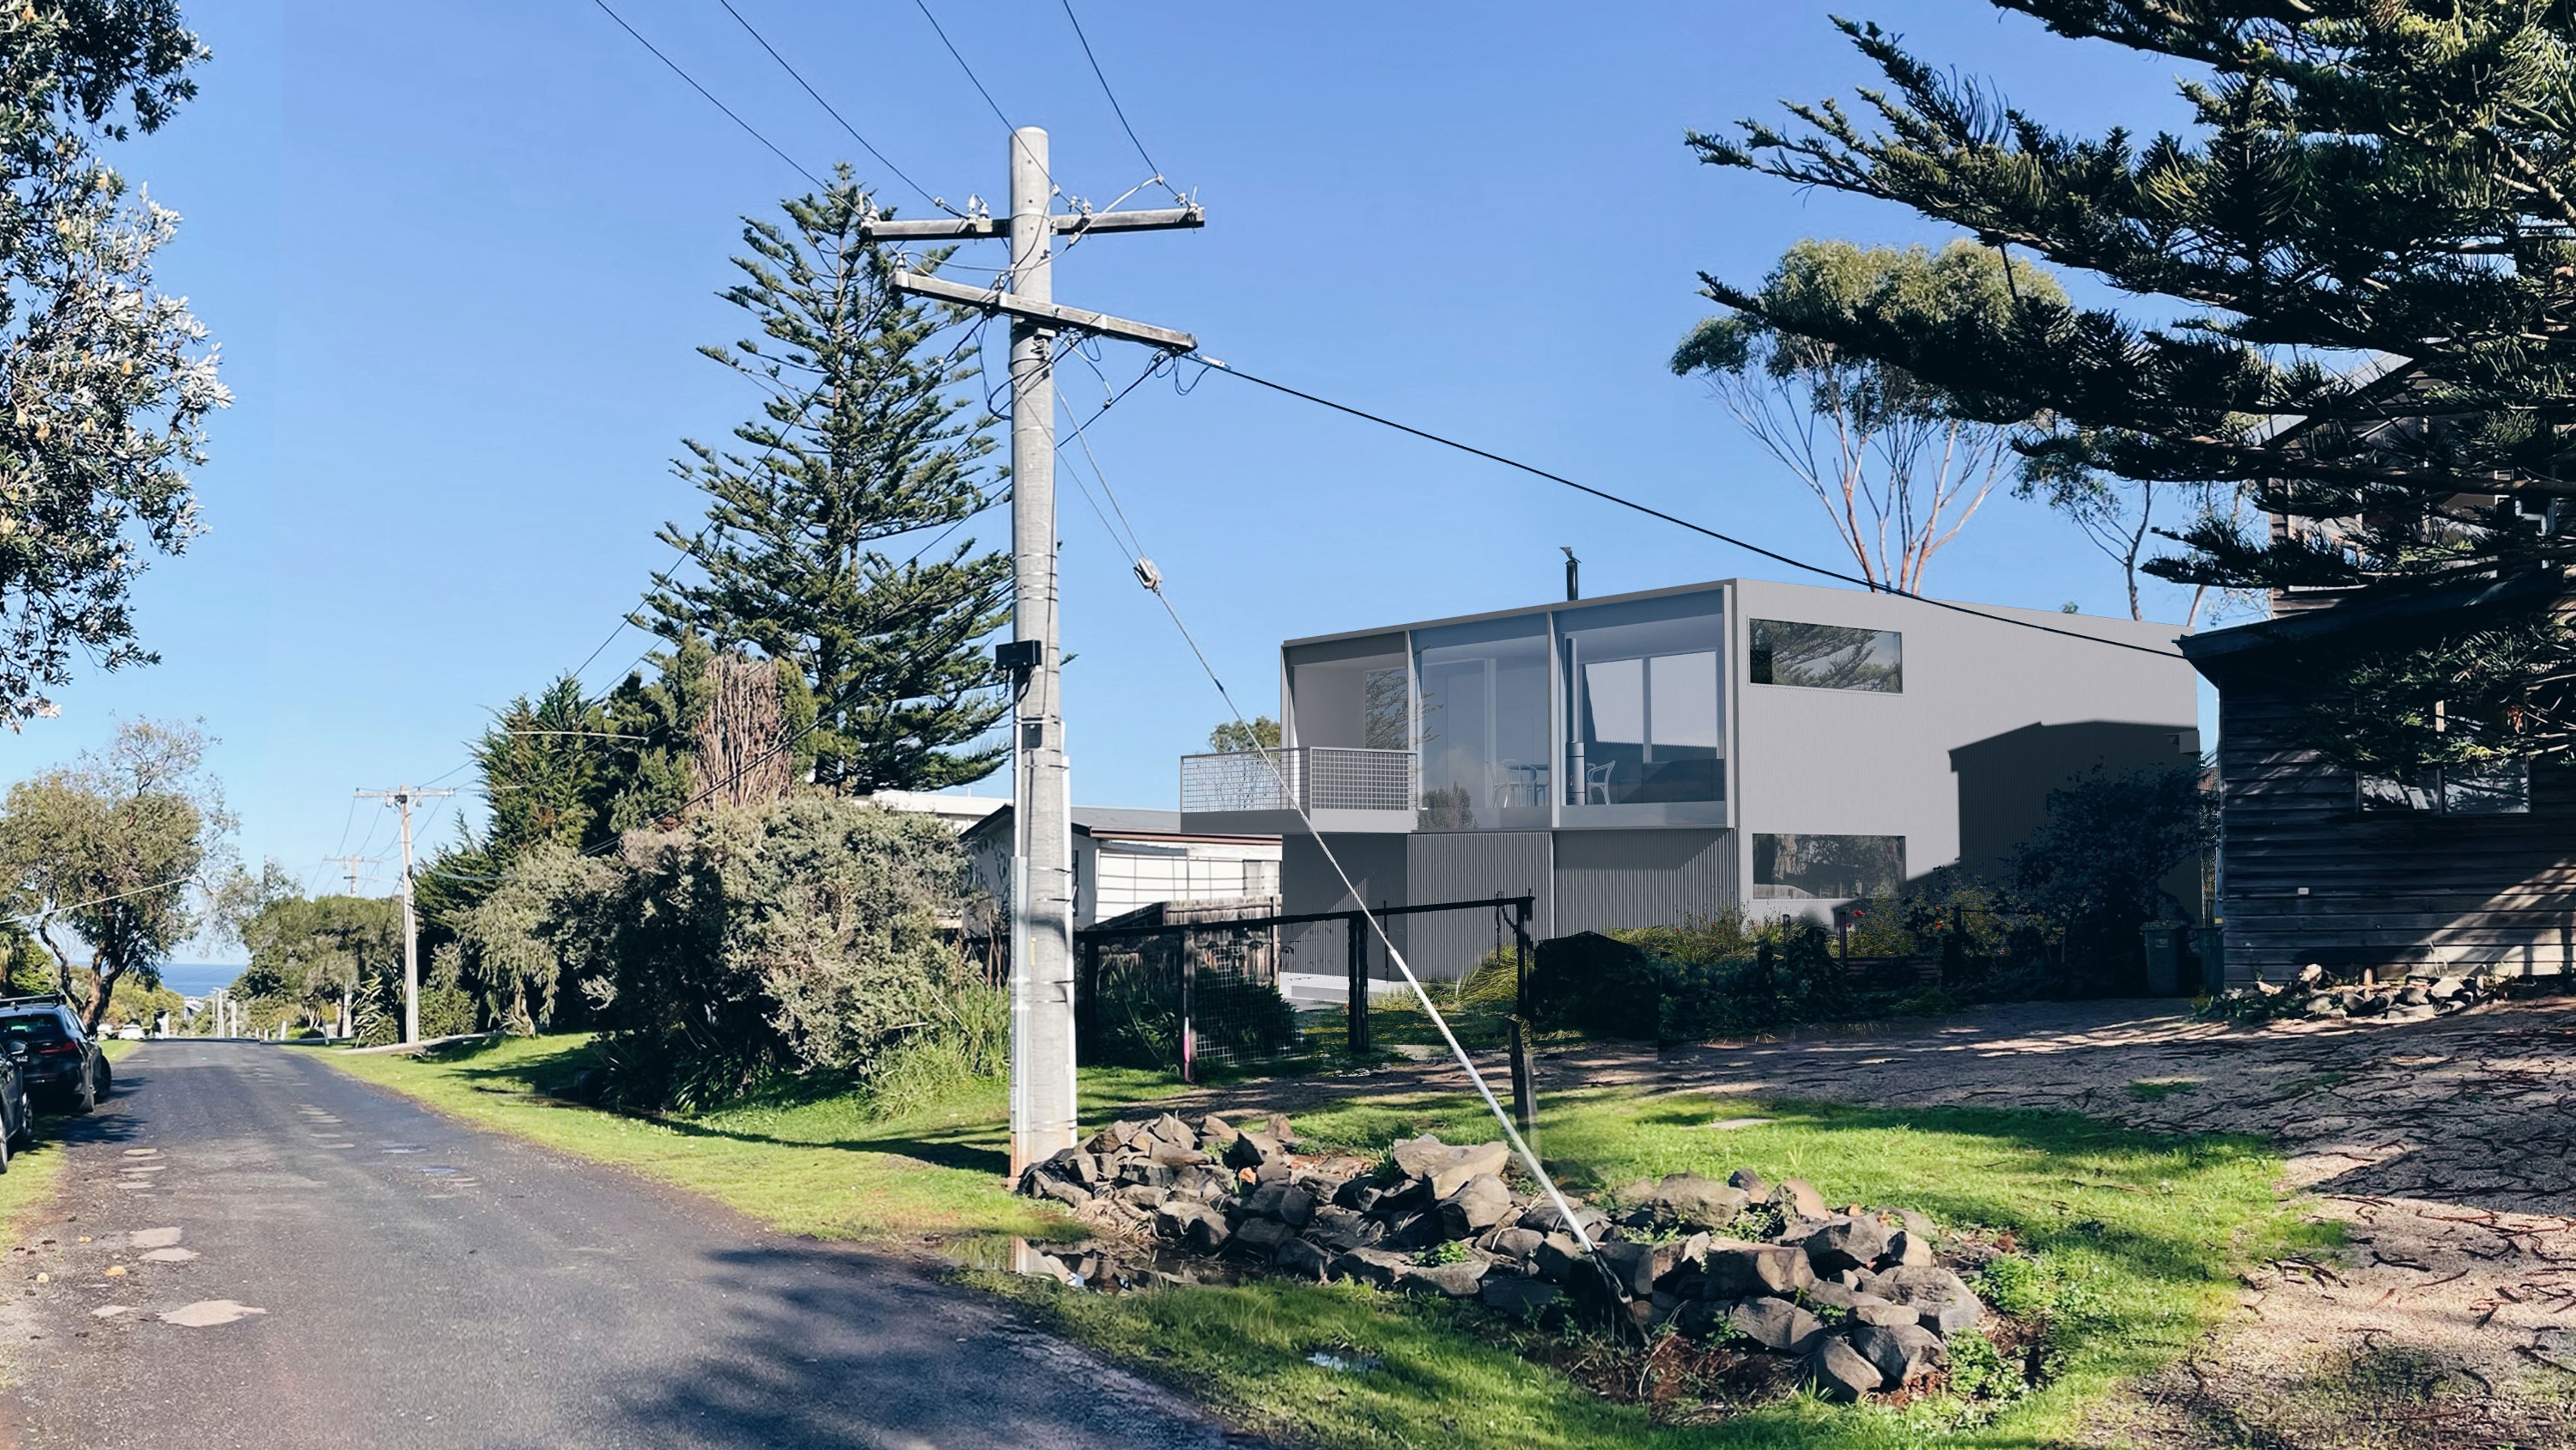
x,y
2320,864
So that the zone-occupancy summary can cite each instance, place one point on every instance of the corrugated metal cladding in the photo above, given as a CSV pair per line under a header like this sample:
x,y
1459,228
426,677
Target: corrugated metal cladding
x,y
1307,883
1470,866
1608,879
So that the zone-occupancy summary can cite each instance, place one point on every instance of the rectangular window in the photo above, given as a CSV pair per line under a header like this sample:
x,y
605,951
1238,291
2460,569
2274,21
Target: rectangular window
x,y
1796,866
1483,724
1827,657
1644,713
2452,791
1350,694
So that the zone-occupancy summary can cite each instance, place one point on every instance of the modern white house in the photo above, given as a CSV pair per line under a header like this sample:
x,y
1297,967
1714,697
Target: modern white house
x,y
1640,759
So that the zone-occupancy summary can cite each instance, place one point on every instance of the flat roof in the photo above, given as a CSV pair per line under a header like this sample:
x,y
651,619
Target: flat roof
x,y
1509,613
2112,627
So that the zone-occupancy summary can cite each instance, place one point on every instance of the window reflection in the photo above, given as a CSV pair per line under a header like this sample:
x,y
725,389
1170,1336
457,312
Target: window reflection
x,y
1483,726
1796,866
1644,717
1352,695
1826,657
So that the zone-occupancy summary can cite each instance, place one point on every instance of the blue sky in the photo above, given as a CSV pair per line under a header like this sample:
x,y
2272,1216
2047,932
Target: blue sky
x,y
460,258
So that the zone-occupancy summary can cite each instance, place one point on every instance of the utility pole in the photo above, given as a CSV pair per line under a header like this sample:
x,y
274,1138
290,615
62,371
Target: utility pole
x,y
1042,985
349,866
401,797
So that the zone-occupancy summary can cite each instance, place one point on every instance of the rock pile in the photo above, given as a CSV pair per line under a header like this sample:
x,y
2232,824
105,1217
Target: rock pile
x,y
2316,993
1860,1297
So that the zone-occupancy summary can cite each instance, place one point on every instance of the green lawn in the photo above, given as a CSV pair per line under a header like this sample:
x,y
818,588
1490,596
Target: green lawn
x,y
2136,1239
822,1167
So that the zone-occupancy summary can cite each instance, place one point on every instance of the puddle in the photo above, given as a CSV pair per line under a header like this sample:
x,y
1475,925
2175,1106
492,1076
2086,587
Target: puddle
x,y
400,1148
1099,1265
439,1169
1345,1361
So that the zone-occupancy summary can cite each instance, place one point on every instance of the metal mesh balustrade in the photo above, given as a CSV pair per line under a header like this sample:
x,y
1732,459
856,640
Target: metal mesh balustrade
x,y
1316,778
1356,780
1235,781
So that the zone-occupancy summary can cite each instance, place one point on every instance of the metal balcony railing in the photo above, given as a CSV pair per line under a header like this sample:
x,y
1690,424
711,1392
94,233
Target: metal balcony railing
x,y
1316,778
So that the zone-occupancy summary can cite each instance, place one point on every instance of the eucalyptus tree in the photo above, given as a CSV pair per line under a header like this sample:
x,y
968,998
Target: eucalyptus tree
x,y
127,848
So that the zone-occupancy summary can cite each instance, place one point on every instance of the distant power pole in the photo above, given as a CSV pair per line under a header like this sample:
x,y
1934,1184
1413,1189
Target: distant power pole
x,y
349,866
401,797
1042,1081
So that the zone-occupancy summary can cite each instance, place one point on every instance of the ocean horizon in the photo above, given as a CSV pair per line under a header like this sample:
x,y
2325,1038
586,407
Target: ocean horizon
x,y
196,979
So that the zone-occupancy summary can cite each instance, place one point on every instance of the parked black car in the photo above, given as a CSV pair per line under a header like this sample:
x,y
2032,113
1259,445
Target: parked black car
x,y
56,1061
17,1118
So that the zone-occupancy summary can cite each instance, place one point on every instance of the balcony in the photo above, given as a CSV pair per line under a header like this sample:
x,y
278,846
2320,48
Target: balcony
x,y
1339,789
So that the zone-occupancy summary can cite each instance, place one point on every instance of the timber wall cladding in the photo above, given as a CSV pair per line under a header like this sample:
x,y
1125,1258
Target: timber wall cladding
x,y
2385,889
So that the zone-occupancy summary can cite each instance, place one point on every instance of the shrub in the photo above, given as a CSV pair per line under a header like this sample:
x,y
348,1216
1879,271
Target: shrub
x,y
797,938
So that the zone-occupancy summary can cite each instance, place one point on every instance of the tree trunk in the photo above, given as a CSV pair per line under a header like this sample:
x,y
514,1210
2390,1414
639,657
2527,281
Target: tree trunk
x,y
105,989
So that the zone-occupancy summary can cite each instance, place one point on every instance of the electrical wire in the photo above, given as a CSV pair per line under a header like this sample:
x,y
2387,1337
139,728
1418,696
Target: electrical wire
x,y
1153,582
942,32
1117,109
828,109
1628,503
748,128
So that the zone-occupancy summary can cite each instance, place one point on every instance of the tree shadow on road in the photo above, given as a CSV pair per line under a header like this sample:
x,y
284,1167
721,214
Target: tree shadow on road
x,y
818,1348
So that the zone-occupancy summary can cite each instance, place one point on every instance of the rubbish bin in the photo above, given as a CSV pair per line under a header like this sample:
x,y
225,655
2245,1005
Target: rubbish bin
x,y
2210,943
2164,957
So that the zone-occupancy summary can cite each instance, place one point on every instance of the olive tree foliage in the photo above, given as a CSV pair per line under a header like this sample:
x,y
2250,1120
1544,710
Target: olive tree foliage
x,y
1896,462
105,381
127,847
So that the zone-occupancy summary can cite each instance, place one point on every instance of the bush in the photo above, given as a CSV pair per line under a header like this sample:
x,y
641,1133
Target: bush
x,y
796,939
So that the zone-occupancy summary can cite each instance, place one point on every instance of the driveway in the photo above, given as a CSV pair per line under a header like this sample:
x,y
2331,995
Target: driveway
x,y
310,1261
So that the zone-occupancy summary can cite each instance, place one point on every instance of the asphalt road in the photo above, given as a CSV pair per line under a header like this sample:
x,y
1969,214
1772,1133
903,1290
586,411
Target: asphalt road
x,y
429,1284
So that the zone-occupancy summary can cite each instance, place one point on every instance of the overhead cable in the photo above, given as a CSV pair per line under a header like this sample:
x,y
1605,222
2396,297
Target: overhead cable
x,y
828,109
1106,90
710,96
1651,512
1152,580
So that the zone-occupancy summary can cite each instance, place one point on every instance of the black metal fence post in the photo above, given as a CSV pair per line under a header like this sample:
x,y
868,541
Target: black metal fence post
x,y
1357,1034
1189,1006
1524,1091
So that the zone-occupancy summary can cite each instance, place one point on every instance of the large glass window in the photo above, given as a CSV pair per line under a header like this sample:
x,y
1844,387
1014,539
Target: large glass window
x,y
1483,728
2452,791
1645,716
1352,694
1797,866
1826,657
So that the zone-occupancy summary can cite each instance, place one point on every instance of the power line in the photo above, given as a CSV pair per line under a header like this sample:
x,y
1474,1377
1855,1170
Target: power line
x,y
942,33
1152,580
750,129
1119,110
1656,513
829,110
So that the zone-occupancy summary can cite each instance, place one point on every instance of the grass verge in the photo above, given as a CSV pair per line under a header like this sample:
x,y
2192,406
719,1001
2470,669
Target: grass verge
x,y
817,1165
2134,1239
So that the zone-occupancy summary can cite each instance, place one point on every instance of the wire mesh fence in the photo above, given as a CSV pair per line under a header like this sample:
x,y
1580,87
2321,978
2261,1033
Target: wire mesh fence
x,y
1203,989
1194,996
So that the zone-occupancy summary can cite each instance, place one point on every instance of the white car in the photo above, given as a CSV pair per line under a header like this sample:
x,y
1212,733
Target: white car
x,y
131,1032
